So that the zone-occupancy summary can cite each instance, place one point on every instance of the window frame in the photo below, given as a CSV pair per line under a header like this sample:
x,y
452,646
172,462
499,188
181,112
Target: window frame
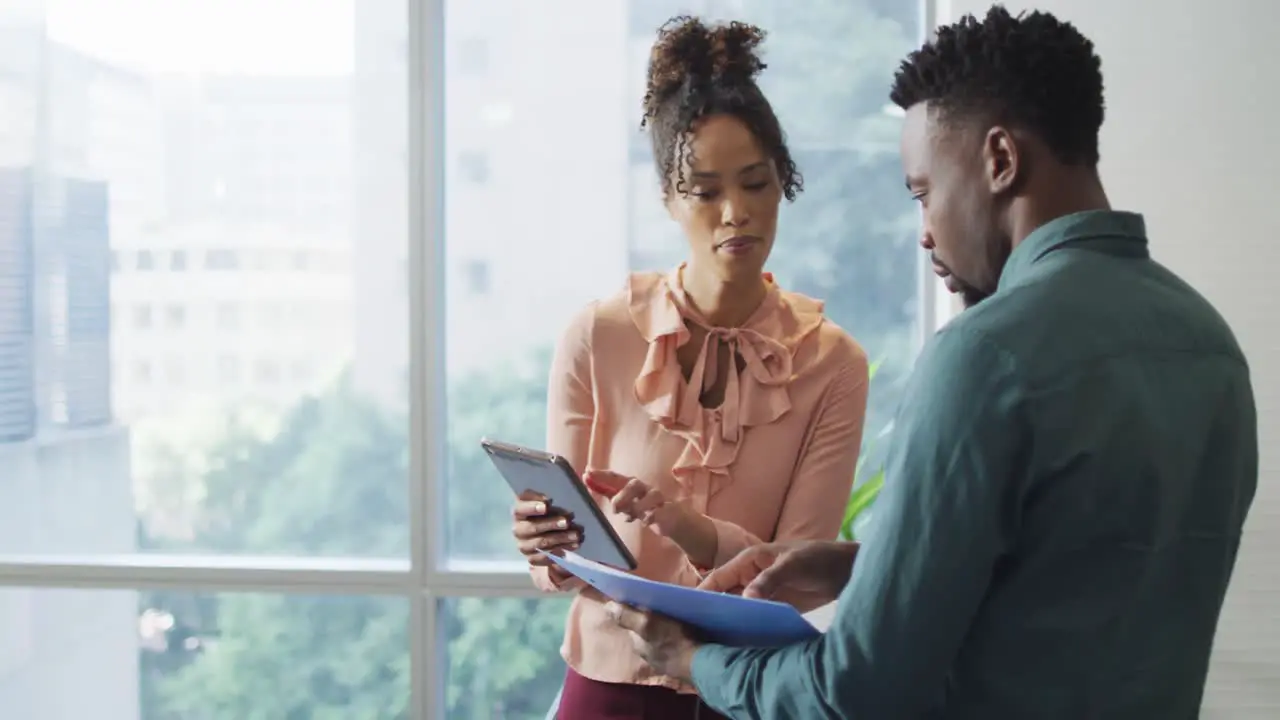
x,y
427,577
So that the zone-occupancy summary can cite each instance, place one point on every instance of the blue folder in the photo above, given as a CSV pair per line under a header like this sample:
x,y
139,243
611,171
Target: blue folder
x,y
719,618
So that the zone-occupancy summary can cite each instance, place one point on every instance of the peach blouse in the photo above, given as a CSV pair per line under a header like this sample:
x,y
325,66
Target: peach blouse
x,y
774,462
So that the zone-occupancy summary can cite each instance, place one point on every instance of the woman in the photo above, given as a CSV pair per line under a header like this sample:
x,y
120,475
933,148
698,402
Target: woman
x,y
729,411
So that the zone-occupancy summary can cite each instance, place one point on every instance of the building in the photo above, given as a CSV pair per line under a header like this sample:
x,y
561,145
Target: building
x,y
534,166
250,149
221,315
66,470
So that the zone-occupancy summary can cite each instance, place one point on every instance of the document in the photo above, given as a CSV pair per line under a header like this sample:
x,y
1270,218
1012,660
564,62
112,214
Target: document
x,y
718,618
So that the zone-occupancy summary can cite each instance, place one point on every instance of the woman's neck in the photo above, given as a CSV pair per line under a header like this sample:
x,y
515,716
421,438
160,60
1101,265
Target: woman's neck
x,y
723,303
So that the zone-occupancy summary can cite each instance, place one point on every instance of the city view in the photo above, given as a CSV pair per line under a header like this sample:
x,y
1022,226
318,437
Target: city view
x,y
205,233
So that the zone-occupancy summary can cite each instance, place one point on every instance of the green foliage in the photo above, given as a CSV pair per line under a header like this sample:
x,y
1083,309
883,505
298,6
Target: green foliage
x,y
859,502
332,481
865,492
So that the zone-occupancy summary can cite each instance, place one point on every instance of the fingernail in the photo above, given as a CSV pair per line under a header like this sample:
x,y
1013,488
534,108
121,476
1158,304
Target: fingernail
x,y
562,523
540,508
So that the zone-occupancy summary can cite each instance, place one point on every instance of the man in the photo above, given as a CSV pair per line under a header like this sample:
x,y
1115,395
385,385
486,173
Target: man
x,y
1072,463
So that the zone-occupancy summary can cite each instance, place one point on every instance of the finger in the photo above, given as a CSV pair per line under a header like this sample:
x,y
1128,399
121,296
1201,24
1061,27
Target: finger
x,y
549,542
525,509
627,617
557,573
662,518
605,482
624,501
768,582
525,529
648,502
740,571
533,495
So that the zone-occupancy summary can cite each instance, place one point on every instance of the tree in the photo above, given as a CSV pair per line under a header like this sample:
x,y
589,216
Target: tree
x,y
332,481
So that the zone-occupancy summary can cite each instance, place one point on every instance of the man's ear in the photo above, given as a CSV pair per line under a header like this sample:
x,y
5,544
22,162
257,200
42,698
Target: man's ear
x,y
1002,162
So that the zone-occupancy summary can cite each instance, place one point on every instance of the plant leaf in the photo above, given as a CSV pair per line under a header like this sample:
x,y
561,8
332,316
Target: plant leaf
x,y
859,500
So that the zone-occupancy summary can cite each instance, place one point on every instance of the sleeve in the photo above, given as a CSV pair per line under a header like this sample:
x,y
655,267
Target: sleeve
x,y
814,504
946,515
570,412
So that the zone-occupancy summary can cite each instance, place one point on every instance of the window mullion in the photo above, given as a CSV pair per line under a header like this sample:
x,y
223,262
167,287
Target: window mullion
x,y
425,94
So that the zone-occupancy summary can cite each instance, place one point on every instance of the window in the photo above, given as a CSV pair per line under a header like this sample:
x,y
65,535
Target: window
x,y
266,372
175,371
271,316
305,515
178,260
228,369
142,372
300,370
221,260
146,260
227,316
142,317
473,56
175,316
473,167
476,273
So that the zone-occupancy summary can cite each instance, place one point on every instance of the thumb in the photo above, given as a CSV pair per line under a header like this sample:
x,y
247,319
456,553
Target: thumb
x,y
770,581
740,572
605,482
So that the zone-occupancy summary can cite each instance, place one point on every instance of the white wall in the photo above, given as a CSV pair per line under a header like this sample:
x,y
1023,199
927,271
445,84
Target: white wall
x,y
1191,90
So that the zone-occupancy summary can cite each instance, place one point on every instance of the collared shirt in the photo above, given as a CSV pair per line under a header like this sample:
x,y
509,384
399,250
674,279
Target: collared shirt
x,y
1069,474
774,460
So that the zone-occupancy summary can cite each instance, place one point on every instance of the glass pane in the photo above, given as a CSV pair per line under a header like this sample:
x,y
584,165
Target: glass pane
x,y
202,293
124,655
503,656
569,201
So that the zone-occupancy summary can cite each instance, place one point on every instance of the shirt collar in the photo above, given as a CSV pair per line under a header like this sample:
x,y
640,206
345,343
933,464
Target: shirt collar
x,y
1112,232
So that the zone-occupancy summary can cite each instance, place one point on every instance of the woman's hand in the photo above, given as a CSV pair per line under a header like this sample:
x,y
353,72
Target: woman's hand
x,y
637,501
539,526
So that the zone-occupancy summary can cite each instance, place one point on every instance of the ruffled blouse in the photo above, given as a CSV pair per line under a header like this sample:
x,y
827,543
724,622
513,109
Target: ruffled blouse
x,y
774,462
756,393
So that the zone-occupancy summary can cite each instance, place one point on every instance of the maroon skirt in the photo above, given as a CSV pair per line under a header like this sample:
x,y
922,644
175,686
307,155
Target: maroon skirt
x,y
586,699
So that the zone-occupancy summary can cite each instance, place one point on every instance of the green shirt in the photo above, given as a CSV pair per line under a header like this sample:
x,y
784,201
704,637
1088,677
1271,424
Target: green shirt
x,y
1070,470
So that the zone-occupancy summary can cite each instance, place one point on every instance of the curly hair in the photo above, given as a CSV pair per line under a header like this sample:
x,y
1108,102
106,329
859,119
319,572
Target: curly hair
x,y
1030,70
697,70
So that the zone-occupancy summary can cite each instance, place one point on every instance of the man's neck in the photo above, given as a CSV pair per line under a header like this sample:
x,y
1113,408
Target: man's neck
x,y
723,303
1067,192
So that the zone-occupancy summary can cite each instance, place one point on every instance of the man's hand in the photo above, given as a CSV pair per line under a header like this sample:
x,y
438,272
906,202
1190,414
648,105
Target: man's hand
x,y
805,575
663,643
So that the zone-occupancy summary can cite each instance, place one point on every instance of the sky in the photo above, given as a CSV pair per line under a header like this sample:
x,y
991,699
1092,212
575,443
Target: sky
x,y
267,37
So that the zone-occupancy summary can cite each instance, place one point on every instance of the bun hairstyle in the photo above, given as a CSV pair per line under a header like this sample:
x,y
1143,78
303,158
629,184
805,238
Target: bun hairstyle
x,y
697,70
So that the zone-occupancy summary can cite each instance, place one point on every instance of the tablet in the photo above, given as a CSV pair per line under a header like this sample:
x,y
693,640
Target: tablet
x,y
553,477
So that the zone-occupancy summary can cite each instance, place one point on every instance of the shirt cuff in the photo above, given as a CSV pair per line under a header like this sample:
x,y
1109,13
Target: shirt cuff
x,y
708,670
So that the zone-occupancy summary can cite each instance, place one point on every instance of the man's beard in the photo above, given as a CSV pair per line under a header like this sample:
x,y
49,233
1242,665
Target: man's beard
x,y
970,295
